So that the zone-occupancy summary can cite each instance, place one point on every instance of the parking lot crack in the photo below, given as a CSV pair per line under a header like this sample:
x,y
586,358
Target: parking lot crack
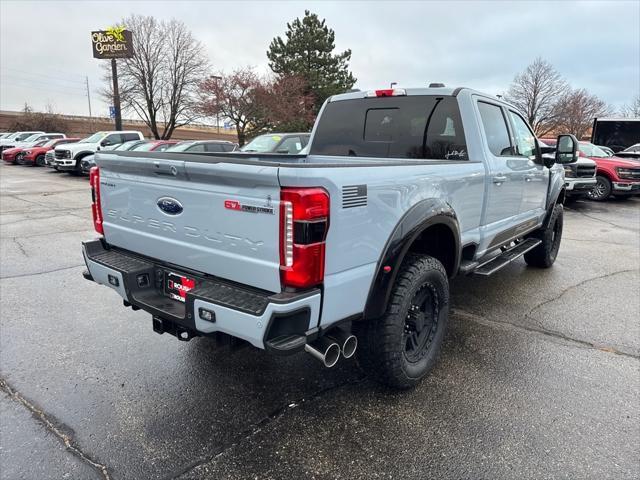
x,y
257,427
41,273
604,221
546,332
51,426
573,287
20,246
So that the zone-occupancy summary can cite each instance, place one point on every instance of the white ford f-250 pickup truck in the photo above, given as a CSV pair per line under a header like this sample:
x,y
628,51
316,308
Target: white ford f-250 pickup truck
x,y
69,157
347,249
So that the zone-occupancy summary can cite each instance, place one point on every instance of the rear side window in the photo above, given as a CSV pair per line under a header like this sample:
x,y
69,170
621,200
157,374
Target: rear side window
x,y
214,147
130,136
495,129
424,127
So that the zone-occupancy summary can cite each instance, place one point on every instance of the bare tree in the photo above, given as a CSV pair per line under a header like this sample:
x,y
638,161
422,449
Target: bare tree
x,y
576,111
160,82
287,103
537,92
233,97
633,109
256,105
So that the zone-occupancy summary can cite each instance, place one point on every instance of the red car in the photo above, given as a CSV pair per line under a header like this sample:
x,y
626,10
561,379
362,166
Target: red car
x,y
14,155
35,155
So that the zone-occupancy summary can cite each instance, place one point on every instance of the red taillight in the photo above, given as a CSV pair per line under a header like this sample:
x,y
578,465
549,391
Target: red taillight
x,y
304,222
96,211
387,92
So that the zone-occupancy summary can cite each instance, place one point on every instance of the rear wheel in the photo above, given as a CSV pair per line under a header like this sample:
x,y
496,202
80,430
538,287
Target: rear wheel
x,y
401,347
602,189
544,255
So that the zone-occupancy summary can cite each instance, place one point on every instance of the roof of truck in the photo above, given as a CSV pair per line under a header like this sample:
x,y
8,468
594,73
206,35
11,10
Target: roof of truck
x,y
442,91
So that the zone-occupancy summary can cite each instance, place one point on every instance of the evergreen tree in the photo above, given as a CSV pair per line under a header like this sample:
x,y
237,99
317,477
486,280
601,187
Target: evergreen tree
x,y
307,52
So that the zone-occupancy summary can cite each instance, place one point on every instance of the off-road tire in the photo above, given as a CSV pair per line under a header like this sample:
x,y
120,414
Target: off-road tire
x,y
545,254
384,343
602,190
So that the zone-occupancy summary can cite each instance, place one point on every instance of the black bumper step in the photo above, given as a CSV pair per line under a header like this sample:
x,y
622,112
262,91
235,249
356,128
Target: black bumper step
x,y
505,258
207,289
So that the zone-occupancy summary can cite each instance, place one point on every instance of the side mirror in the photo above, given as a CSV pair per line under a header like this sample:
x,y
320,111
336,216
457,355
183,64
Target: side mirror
x,y
106,143
567,149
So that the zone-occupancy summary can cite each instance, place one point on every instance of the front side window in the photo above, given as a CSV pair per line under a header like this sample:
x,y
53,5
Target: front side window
x,y
413,127
290,145
113,139
525,139
495,129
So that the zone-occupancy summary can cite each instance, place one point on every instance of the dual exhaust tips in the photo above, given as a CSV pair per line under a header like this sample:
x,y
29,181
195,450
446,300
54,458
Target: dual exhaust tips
x,y
328,349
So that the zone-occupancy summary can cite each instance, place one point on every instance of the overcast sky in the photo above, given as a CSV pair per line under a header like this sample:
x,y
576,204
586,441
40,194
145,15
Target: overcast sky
x,y
45,50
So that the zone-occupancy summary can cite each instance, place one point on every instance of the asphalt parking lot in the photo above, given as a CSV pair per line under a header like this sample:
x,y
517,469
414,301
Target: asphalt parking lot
x,y
539,376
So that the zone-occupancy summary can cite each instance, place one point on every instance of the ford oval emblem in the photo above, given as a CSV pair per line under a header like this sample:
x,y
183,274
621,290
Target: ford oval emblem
x,y
170,206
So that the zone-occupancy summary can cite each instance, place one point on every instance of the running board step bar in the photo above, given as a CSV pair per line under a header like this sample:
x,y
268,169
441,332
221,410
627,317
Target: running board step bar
x,y
505,258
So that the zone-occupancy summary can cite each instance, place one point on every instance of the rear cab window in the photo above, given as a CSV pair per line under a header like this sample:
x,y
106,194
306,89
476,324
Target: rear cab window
x,y
412,127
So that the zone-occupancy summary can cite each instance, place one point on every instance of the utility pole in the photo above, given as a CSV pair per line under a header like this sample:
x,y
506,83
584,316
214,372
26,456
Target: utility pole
x,y
116,94
217,78
89,100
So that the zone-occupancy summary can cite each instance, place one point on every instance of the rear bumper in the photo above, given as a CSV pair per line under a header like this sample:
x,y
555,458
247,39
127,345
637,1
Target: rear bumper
x,y
240,311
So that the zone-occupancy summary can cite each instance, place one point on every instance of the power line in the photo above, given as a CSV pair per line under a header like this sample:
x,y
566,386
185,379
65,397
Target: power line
x,y
48,90
38,83
45,75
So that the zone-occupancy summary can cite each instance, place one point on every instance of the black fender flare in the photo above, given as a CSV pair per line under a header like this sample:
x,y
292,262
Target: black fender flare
x,y
82,154
416,220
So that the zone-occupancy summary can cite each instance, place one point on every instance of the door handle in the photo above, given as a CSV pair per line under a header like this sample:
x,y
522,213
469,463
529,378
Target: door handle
x,y
529,176
499,179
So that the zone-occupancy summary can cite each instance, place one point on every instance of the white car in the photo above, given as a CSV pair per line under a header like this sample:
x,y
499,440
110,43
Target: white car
x,y
10,140
69,157
33,139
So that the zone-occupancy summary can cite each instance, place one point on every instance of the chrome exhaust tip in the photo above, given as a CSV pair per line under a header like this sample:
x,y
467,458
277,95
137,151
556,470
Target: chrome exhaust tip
x,y
325,350
347,341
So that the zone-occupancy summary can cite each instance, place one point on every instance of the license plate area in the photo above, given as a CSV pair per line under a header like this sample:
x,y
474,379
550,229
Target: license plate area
x,y
177,285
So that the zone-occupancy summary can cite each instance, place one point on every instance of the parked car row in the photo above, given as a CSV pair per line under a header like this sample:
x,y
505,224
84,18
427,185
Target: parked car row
x,y
77,155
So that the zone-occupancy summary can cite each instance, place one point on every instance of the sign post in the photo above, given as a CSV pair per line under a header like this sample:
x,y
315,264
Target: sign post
x,y
115,42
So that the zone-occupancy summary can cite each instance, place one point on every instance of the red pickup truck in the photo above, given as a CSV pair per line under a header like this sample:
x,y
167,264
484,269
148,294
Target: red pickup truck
x,y
615,176
35,155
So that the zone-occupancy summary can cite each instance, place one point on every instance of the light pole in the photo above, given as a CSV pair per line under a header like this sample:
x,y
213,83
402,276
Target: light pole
x,y
217,78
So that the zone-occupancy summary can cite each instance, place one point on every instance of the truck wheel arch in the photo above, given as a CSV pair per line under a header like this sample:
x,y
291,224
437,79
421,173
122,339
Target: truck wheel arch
x,y
414,233
81,155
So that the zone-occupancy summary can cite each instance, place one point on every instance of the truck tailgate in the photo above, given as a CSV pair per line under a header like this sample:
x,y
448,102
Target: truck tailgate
x,y
214,217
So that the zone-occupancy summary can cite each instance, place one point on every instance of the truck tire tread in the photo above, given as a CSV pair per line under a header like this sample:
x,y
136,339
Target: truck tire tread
x,y
381,348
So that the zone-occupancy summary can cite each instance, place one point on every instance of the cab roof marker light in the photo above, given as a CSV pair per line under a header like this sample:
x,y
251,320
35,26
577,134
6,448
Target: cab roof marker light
x,y
388,92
